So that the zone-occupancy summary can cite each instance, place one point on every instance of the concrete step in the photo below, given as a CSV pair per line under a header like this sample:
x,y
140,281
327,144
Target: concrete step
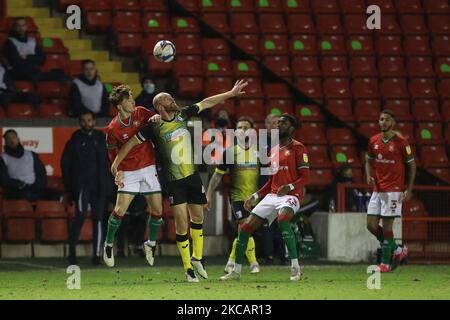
x,y
97,56
122,77
49,23
136,88
59,33
19,3
31,12
78,44
109,66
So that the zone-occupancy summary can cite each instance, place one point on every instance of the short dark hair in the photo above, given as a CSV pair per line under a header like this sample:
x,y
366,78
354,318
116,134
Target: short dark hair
x,y
119,93
146,77
86,112
247,119
9,131
86,61
389,112
291,119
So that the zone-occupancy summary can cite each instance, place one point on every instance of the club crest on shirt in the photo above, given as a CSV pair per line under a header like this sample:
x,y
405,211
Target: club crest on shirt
x,y
391,148
136,123
125,136
287,153
376,147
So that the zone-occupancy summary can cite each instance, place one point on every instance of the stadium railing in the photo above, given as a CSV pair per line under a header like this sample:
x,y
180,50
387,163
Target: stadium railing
x,y
425,221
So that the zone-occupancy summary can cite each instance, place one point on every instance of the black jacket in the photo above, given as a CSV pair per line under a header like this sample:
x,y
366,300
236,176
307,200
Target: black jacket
x,y
84,163
77,107
32,64
146,100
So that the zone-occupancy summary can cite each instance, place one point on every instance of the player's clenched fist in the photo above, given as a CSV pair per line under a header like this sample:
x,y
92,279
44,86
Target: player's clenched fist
x,y
283,190
370,180
250,202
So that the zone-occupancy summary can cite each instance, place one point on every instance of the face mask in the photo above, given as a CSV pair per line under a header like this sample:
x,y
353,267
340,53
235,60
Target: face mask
x,y
149,88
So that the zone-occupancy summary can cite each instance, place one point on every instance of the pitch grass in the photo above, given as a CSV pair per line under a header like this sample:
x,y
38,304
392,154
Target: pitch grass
x,y
132,279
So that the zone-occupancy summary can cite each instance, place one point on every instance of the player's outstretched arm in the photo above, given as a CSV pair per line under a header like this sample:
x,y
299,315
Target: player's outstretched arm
x,y
213,183
236,91
123,152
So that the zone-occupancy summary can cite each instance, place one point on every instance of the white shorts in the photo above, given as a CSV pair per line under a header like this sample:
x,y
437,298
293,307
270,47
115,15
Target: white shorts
x,y
271,204
385,204
143,181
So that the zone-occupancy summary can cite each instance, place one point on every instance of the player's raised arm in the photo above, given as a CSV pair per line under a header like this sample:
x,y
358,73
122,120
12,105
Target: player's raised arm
x,y
236,91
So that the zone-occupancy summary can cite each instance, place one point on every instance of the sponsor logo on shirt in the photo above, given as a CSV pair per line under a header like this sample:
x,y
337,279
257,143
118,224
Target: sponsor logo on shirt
x,y
136,123
381,160
174,135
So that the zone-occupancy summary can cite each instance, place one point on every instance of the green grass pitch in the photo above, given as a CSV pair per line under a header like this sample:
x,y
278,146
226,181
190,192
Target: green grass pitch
x,y
132,279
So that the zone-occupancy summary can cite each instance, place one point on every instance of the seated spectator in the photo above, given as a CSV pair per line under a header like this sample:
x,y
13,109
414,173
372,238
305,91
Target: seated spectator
x,y
26,57
88,94
22,174
145,98
9,93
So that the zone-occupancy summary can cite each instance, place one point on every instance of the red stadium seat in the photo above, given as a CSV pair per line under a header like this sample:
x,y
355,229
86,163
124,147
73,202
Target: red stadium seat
x,y
246,68
101,5
305,66
337,88
188,66
342,109
216,85
443,67
272,23
417,45
389,25
308,113
429,133
352,6
369,129
21,110
311,133
391,66
320,177
24,86
217,21
303,45
444,92
55,182
386,6
446,114
345,155
155,67
279,106
156,22
126,5
363,67
248,43
356,24
129,43
53,45
300,23
394,88
411,6
243,23
437,6
420,67
154,5
187,44
75,67
50,209
422,88
184,25
332,45
240,6
127,21
360,45
269,6
406,129
213,6
217,66
365,88
51,110
98,21
310,86
414,230
400,107
441,173
367,110
56,61
274,45
63,4
329,24
439,24
318,157
334,66
277,91
279,65
214,46
253,108
52,89
340,136
434,157
253,89
325,6
441,45
54,230
190,87
19,220
389,45
413,24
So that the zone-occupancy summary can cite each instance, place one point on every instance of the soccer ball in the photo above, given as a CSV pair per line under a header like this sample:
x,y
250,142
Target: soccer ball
x,y
164,51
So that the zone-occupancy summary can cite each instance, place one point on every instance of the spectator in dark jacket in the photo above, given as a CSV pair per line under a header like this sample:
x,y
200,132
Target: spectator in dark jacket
x,y
22,174
85,172
88,93
9,93
145,98
26,57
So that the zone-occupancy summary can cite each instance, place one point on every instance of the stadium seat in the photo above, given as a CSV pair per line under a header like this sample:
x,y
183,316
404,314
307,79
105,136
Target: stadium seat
x,y
217,66
156,22
332,45
303,45
300,23
406,129
413,24
369,129
75,68
389,26
187,44
401,109
434,157
246,68
274,45
63,4
279,106
363,66
420,67
253,108
443,67
154,5
19,220
243,23
24,86
50,209
386,6
53,220
367,110
429,133
214,46
279,65
305,66
126,5
308,113
320,177
311,134
129,43
21,110
340,136
437,6
423,88
310,86
394,88
345,155
441,45
249,43
329,24
439,24
53,45
253,90
391,66
414,230
98,21
356,24
56,183
127,21
342,109
269,6
218,21
52,89
101,5
190,87
52,110
216,85
157,68
411,6
365,88
213,6
240,6
389,45
358,45
325,6
56,61
333,66
352,6
337,88
318,157
188,66
276,91
184,25
444,92
272,23
441,173
418,45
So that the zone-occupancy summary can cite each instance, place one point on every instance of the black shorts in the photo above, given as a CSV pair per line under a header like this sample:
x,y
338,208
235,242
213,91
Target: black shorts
x,y
238,210
188,190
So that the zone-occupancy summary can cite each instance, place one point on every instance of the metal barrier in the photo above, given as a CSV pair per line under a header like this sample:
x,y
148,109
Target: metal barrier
x,y
425,220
